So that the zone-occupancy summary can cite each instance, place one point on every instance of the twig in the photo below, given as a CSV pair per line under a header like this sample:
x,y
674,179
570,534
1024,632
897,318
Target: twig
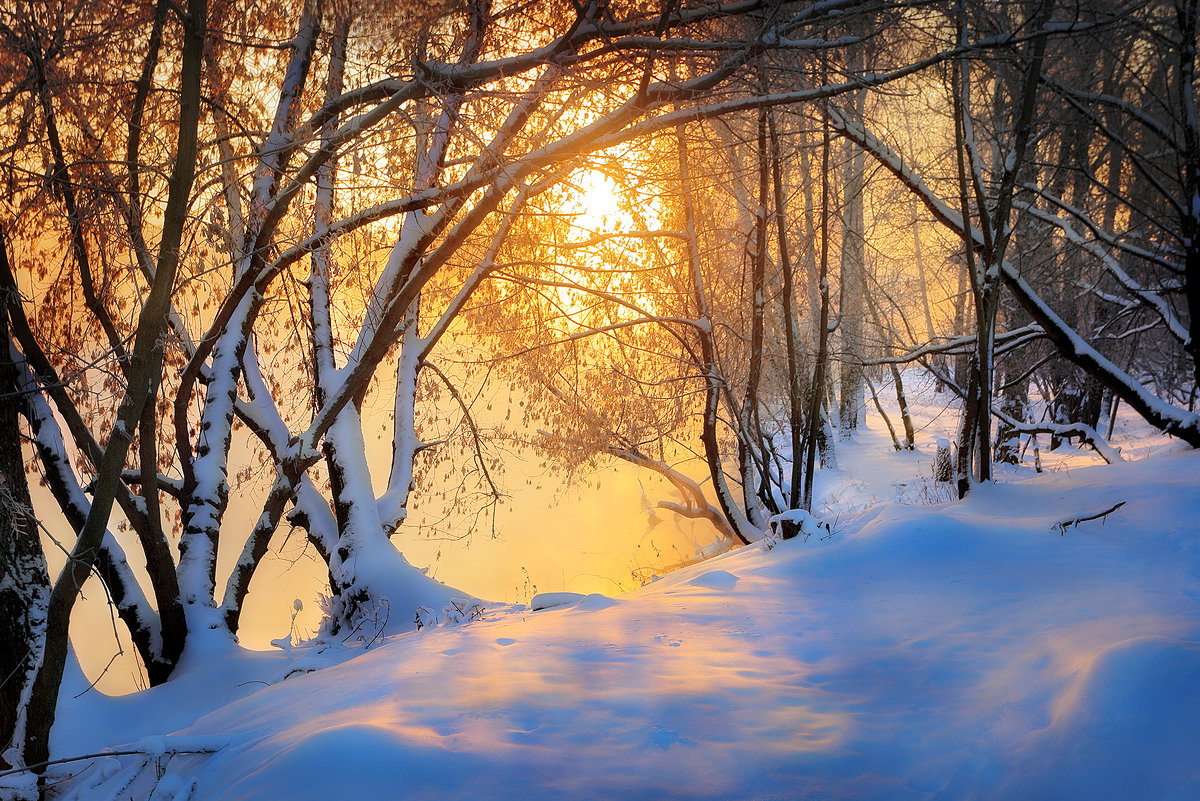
x,y
470,421
1061,525
379,627
102,754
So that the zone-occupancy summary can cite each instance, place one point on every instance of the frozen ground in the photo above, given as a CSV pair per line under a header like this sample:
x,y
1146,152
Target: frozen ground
x,y
947,651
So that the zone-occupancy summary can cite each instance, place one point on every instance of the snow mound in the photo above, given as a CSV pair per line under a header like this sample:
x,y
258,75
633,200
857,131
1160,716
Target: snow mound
x,y
552,600
721,580
595,602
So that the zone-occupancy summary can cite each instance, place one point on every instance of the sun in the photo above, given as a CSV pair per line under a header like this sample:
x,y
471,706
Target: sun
x,y
596,206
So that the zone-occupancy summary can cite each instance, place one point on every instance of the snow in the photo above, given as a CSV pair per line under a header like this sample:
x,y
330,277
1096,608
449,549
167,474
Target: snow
x,y
720,580
924,649
804,524
552,600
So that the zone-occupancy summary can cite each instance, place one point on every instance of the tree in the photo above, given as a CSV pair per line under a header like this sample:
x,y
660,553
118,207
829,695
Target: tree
x,y
203,237
24,581
922,182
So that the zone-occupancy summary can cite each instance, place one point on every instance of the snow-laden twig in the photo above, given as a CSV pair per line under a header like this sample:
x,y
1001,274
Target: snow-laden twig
x,y
1086,434
1073,522
153,747
1156,411
1094,248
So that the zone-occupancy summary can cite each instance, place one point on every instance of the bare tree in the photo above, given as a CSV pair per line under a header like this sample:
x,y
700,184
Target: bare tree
x,y
24,581
1069,343
195,218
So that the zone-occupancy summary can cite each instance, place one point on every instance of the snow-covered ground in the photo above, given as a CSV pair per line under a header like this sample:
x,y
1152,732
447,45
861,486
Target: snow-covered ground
x,y
924,651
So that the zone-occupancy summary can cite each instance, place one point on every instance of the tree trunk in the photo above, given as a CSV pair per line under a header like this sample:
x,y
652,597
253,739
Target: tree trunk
x,y
853,267
790,323
738,522
24,580
1187,13
961,310
815,417
902,399
1014,404
749,437
151,325
967,439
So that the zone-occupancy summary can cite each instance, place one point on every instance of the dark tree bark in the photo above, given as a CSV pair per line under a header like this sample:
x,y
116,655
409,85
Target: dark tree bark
x,y
43,699
1187,14
853,282
819,378
740,525
790,323
24,581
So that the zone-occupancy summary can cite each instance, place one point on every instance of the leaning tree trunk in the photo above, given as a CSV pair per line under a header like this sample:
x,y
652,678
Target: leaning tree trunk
x,y
1188,18
151,326
24,580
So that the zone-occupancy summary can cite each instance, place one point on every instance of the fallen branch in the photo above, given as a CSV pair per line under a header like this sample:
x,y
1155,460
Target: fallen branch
x,y
1085,433
1072,522
191,746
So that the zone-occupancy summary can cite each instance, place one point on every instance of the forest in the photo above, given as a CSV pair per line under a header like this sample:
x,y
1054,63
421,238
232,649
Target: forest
x,y
706,240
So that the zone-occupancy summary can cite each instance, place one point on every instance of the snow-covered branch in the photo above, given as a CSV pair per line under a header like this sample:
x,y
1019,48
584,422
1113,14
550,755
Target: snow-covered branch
x,y
1150,299
1081,431
1169,418
1004,342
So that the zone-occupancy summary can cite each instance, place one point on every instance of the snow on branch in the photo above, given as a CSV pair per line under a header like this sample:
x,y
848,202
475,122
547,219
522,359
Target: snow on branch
x,y
1085,433
1009,340
171,486
1159,413
1094,248
1073,522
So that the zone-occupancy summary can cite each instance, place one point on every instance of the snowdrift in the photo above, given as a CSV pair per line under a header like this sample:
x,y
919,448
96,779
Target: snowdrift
x,y
965,650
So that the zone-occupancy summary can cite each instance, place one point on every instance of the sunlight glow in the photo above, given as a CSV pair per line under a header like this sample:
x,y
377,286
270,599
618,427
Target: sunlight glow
x,y
597,206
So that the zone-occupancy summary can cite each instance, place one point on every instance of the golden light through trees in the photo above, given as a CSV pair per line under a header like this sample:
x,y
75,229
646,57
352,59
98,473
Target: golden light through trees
x,y
683,232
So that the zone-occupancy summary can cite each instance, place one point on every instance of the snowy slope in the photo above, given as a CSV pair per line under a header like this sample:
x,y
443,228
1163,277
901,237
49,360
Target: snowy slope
x,y
960,651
